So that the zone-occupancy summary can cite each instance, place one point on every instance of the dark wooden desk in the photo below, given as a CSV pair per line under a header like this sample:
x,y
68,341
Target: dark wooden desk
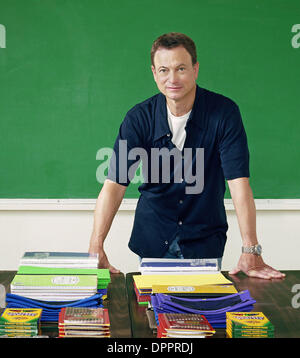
x,y
273,298
116,303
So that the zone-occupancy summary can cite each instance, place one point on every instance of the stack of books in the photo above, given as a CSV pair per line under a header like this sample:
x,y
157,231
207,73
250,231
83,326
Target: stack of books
x,y
143,295
64,263
60,259
188,286
103,275
248,325
145,285
178,325
20,322
55,288
154,266
84,322
52,280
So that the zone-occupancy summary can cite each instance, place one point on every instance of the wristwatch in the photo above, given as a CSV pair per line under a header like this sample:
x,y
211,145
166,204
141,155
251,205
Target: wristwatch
x,y
255,250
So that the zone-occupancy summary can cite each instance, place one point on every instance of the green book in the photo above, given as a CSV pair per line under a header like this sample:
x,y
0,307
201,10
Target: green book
x,y
54,282
103,275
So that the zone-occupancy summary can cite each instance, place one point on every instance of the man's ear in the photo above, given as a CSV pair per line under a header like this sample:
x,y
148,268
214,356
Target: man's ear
x,y
196,69
154,72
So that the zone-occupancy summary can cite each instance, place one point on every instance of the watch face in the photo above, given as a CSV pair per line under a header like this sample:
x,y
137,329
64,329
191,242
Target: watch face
x,y
258,249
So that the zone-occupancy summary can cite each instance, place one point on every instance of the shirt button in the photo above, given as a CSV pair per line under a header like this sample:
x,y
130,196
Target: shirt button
x,y
168,135
166,242
179,222
180,201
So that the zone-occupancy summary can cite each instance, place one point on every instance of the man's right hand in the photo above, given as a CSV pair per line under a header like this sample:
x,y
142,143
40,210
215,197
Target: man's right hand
x,y
104,263
107,205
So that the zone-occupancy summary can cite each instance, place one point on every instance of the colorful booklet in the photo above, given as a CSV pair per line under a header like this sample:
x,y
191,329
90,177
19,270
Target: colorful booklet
x,y
84,322
248,324
21,316
20,322
183,325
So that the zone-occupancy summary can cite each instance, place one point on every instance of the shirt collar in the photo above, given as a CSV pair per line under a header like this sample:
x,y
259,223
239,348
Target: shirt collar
x,y
161,120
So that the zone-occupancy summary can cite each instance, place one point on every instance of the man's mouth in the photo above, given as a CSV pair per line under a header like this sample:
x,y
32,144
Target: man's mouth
x,y
173,88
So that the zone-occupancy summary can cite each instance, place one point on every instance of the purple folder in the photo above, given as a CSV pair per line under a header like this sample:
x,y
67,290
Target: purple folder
x,y
214,309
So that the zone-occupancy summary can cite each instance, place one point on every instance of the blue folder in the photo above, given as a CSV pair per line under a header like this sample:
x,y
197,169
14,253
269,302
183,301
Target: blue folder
x,y
50,310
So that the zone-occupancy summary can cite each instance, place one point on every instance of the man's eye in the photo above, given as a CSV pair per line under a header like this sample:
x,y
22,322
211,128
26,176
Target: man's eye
x,y
181,69
162,70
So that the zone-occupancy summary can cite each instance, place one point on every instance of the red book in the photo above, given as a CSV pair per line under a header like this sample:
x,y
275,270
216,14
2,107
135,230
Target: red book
x,y
83,322
183,325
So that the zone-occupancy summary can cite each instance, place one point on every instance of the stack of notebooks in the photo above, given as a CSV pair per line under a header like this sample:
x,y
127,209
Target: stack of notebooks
x,y
55,288
248,325
64,263
60,259
84,322
154,266
20,322
179,325
51,280
103,275
160,272
188,287
195,284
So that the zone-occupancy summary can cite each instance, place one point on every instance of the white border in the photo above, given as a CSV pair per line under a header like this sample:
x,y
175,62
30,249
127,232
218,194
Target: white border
x,y
126,205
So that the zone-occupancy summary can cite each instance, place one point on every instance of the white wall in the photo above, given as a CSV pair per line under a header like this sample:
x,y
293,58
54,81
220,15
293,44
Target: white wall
x,y
66,226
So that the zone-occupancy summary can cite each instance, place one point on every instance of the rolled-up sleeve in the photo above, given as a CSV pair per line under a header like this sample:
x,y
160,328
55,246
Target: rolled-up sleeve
x,y
129,137
233,146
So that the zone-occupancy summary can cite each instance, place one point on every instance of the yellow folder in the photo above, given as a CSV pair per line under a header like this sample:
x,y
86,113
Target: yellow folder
x,y
214,289
147,281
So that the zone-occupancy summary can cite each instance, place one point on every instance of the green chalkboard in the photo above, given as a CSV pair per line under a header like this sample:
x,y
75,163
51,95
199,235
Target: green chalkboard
x,y
71,69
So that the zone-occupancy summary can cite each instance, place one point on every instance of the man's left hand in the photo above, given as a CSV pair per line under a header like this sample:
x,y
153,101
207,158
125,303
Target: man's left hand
x,y
254,266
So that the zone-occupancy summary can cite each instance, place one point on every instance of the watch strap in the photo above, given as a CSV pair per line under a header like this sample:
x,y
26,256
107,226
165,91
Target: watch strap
x,y
255,249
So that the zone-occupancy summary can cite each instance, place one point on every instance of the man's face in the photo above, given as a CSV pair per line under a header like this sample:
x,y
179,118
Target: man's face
x,y
174,73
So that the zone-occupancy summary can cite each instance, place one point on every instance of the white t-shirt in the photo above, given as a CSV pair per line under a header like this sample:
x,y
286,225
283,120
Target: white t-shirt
x,y
177,126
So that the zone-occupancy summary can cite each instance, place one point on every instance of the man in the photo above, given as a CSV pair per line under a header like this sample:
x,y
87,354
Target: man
x,y
174,218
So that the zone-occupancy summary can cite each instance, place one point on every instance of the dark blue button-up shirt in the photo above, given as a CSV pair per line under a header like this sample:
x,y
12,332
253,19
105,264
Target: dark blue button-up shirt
x,y
170,203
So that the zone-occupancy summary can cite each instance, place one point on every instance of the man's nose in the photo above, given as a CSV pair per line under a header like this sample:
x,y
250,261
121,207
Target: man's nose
x,y
173,77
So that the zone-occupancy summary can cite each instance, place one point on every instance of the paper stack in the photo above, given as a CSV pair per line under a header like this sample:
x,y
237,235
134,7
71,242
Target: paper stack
x,y
212,283
154,266
248,325
23,322
52,280
60,259
157,267
55,288
84,322
103,275
180,325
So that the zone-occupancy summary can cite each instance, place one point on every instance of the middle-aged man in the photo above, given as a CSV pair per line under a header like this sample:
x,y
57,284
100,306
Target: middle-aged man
x,y
174,218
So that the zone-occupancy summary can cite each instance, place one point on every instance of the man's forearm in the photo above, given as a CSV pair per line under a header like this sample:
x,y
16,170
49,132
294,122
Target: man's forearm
x,y
244,204
251,264
107,205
